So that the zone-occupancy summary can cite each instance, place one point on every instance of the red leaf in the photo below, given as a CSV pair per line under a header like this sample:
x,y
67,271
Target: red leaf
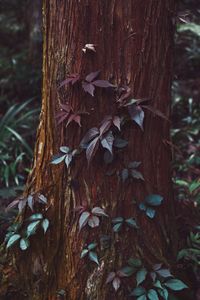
x,y
117,121
102,83
155,111
66,107
90,77
75,118
125,93
92,149
88,88
73,78
64,116
92,133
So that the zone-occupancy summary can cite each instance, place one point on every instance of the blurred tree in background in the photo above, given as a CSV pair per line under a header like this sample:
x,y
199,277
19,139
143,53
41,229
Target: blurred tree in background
x,y
20,89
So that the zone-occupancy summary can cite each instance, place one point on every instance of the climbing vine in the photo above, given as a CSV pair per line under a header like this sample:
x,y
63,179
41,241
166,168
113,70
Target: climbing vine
x,y
151,282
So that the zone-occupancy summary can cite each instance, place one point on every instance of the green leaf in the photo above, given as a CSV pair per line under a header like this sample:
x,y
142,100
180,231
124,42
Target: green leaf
x,y
83,219
164,273
150,212
141,276
117,227
93,257
30,201
35,217
84,252
92,246
163,293
32,227
68,159
175,285
128,271
132,223
154,200
137,114
134,164
12,240
136,174
45,225
124,175
142,206
194,185
135,262
64,149
143,297
119,143
158,284
117,220
138,291
152,295
24,244
182,253
181,183
58,159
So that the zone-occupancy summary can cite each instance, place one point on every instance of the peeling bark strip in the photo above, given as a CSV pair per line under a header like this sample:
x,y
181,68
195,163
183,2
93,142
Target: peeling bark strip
x,y
134,42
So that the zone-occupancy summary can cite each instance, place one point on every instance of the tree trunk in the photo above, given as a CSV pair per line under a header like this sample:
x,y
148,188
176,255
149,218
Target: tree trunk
x,y
134,47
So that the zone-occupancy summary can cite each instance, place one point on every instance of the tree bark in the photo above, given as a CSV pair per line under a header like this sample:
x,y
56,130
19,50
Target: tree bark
x,y
134,47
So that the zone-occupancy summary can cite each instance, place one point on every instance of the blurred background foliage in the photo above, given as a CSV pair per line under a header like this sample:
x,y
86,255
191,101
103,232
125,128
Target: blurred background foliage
x,y
20,99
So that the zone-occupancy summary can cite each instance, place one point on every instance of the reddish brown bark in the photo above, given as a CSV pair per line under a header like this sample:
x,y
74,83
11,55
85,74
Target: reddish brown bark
x,y
134,47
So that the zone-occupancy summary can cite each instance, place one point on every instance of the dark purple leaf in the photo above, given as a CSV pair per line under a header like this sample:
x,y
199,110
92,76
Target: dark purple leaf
x,y
117,121
153,275
92,133
136,114
12,204
105,125
90,77
102,83
21,205
88,88
155,111
110,277
125,94
116,283
107,141
92,149
60,114
156,267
